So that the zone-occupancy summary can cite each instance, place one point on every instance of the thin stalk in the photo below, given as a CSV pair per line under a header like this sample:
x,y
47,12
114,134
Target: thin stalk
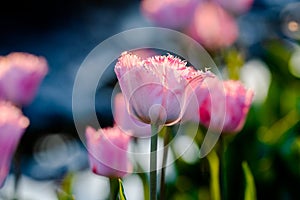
x,y
114,188
143,177
214,167
153,162
164,162
145,186
223,168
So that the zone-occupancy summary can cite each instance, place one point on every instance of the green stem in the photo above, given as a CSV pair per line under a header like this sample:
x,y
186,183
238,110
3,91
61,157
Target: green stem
x,y
214,166
142,175
114,188
223,168
164,162
145,186
153,162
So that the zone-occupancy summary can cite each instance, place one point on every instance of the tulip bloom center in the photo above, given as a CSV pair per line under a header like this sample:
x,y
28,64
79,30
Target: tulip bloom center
x,y
155,89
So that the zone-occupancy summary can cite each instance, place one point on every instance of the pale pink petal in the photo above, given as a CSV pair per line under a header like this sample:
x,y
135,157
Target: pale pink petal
x,y
12,126
108,151
198,94
126,122
237,103
169,13
212,26
20,76
155,89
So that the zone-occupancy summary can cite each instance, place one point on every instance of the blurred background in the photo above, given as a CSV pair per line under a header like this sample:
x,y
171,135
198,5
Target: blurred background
x,y
257,43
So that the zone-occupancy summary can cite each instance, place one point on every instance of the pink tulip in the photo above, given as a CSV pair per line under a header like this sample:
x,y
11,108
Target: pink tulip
x,y
12,127
238,100
108,151
212,26
156,89
236,6
126,122
20,76
169,13
200,92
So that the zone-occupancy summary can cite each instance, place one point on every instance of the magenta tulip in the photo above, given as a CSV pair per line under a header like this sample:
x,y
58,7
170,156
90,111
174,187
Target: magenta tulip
x,y
169,13
237,102
127,123
156,89
20,77
108,151
212,26
12,127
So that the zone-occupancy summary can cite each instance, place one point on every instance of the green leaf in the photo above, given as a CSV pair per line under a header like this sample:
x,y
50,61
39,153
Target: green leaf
x,y
214,165
121,190
65,190
277,132
67,182
61,195
250,191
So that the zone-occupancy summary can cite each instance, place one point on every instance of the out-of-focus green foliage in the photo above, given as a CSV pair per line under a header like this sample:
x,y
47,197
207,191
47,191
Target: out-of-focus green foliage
x,y
250,191
269,141
65,190
121,190
214,164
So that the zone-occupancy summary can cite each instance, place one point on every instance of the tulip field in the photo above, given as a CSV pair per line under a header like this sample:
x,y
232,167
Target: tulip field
x,y
150,100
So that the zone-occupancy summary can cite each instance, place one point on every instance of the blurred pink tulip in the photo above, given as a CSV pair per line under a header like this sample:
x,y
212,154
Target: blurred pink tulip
x,y
169,13
108,151
199,94
156,89
126,122
238,100
20,77
236,6
212,26
12,127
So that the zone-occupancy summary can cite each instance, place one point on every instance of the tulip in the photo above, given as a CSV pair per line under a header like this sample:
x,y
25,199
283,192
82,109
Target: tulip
x,y
237,103
199,94
127,123
212,26
169,13
108,151
12,127
156,89
20,77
